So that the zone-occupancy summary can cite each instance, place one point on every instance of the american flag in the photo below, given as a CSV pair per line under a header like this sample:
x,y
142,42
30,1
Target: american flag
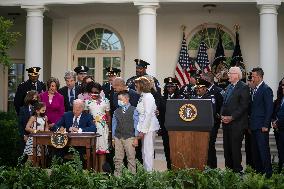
x,y
183,64
202,58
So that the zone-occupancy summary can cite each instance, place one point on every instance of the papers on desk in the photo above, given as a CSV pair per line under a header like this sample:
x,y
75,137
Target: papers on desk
x,y
88,132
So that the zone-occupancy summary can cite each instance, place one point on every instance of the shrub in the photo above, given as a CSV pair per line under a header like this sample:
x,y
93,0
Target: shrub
x,y
9,143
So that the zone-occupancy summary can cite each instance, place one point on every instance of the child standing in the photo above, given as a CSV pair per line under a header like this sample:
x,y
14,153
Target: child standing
x,y
124,132
37,122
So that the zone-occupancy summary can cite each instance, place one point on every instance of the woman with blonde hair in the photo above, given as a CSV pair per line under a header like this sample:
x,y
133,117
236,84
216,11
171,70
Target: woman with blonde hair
x,y
148,123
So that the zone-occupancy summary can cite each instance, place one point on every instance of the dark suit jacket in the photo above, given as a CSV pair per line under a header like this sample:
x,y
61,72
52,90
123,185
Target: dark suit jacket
x,y
261,108
64,91
130,83
133,99
85,123
278,113
22,90
109,92
24,116
237,105
216,91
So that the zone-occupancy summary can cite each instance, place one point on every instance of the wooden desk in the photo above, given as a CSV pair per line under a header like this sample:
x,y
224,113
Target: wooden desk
x,y
87,140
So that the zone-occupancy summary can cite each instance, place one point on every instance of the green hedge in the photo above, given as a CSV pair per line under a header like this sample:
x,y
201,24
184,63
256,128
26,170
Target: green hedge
x,y
9,139
71,175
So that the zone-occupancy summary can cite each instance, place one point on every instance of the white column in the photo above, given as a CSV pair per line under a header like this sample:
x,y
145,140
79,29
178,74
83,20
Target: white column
x,y
269,42
34,38
147,35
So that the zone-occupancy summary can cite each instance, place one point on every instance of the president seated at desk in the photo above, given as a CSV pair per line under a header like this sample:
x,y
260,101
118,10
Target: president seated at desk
x,y
76,121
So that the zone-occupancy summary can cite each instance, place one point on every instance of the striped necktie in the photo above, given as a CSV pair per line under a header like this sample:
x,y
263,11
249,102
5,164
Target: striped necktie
x,y
71,99
75,123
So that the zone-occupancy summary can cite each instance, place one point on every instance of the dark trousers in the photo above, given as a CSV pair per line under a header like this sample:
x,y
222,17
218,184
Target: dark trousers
x,y
232,141
212,158
248,148
261,152
165,137
279,137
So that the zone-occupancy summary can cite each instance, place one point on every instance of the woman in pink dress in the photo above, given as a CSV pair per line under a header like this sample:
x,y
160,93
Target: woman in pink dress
x,y
54,101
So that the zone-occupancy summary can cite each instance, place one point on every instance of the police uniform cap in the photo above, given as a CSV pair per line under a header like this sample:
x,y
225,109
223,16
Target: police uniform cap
x,y
81,69
33,71
141,63
194,72
112,71
170,81
202,83
249,76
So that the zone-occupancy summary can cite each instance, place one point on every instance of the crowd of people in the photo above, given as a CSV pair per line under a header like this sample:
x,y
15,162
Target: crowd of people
x,y
129,114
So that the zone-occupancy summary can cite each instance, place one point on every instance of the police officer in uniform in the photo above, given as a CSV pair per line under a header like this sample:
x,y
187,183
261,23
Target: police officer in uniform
x,y
111,73
31,84
203,93
247,134
170,92
141,67
217,92
188,91
81,73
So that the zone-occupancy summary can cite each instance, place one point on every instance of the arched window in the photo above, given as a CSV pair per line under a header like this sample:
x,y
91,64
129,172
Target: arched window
x,y
98,47
211,40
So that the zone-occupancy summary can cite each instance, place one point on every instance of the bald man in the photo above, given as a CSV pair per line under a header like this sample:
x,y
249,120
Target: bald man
x,y
234,117
120,85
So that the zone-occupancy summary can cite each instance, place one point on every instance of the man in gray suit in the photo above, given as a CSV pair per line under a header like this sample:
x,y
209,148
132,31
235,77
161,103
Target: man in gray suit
x,y
234,117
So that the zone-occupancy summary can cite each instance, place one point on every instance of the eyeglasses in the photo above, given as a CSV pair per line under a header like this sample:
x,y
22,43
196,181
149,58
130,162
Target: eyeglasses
x,y
229,73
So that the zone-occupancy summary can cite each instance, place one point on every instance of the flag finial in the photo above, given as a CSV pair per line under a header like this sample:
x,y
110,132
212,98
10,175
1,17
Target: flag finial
x,y
237,27
183,28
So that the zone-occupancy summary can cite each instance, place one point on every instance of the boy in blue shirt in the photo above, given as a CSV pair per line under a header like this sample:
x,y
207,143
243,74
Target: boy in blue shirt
x,y
124,133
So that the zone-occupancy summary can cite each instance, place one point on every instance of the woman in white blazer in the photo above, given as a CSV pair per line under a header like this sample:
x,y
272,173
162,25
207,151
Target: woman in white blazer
x,y
148,123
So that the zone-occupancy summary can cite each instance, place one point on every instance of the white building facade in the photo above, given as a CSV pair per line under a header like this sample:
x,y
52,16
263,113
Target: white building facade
x,y
58,35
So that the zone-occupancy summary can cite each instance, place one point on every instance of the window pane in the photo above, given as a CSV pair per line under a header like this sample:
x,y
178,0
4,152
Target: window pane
x,y
116,62
91,72
211,39
81,61
81,46
106,62
99,38
15,77
91,62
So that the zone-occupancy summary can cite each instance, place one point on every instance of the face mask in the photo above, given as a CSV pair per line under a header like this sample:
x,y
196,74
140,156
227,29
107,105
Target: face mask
x,y
33,102
42,114
94,95
121,103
